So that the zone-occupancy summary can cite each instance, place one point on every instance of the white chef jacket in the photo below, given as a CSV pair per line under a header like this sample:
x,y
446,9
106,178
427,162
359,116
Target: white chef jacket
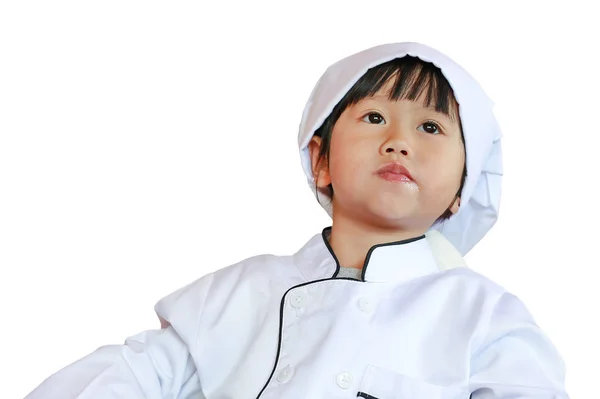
x,y
418,325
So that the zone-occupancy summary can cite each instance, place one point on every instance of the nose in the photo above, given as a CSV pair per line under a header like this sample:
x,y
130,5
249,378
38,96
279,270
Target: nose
x,y
396,142
391,149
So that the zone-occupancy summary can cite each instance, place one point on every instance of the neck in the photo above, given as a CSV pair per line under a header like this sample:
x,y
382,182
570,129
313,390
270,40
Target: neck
x,y
350,239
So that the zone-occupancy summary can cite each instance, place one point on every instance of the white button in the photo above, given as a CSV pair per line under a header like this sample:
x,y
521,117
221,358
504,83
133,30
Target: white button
x,y
298,299
365,305
344,380
285,374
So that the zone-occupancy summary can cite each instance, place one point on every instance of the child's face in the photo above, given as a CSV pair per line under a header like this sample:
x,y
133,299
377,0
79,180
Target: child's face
x,y
377,131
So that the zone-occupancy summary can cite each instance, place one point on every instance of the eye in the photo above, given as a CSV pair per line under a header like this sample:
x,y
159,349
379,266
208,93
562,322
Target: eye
x,y
430,127
374,118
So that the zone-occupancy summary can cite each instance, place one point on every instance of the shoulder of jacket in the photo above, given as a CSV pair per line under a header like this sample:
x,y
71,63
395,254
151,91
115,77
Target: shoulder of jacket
x,y
187,302
491,288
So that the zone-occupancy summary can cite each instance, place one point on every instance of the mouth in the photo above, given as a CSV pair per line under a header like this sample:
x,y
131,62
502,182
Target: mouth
x,y
395,172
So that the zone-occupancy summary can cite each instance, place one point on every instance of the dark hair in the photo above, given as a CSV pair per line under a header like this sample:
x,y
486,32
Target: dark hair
x,y
412,78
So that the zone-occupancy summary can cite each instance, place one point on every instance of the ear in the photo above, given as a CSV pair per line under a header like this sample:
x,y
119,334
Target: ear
x,y
320,169
455,205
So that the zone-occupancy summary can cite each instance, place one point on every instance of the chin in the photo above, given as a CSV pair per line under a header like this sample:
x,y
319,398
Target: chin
x,y
395,215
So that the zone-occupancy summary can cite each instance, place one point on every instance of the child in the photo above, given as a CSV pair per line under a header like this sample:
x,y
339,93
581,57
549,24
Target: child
x,y
402,149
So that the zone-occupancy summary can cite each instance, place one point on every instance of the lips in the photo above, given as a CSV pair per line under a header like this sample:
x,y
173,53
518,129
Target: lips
x,y
394,171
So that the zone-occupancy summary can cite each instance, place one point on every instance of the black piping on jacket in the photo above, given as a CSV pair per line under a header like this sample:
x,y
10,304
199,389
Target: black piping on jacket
x,y
324,235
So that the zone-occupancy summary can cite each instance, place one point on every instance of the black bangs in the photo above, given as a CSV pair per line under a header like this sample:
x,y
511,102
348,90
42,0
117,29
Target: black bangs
x,y
413,79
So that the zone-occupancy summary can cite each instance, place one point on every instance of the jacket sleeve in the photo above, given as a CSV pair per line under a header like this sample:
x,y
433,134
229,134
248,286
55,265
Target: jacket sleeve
x,y
154,364
516,359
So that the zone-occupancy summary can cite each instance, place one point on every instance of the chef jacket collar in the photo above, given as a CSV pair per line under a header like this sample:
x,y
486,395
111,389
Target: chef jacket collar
x,y
396,261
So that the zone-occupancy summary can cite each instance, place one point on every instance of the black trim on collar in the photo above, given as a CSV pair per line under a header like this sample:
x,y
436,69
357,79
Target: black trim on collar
x,y
368,257
326,241
374,247
365,395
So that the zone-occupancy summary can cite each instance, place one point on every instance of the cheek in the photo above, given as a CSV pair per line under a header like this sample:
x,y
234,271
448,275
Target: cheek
x,y
342,168
444,171
346,160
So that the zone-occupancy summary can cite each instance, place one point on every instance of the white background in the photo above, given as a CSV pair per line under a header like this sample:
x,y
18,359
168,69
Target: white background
x,y
144,144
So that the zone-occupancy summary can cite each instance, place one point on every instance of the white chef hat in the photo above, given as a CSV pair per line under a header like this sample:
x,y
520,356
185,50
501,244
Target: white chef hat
x,y
480,196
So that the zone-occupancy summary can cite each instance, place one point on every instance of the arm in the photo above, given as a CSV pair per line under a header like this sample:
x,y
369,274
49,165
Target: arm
x,y
154,365
516,360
